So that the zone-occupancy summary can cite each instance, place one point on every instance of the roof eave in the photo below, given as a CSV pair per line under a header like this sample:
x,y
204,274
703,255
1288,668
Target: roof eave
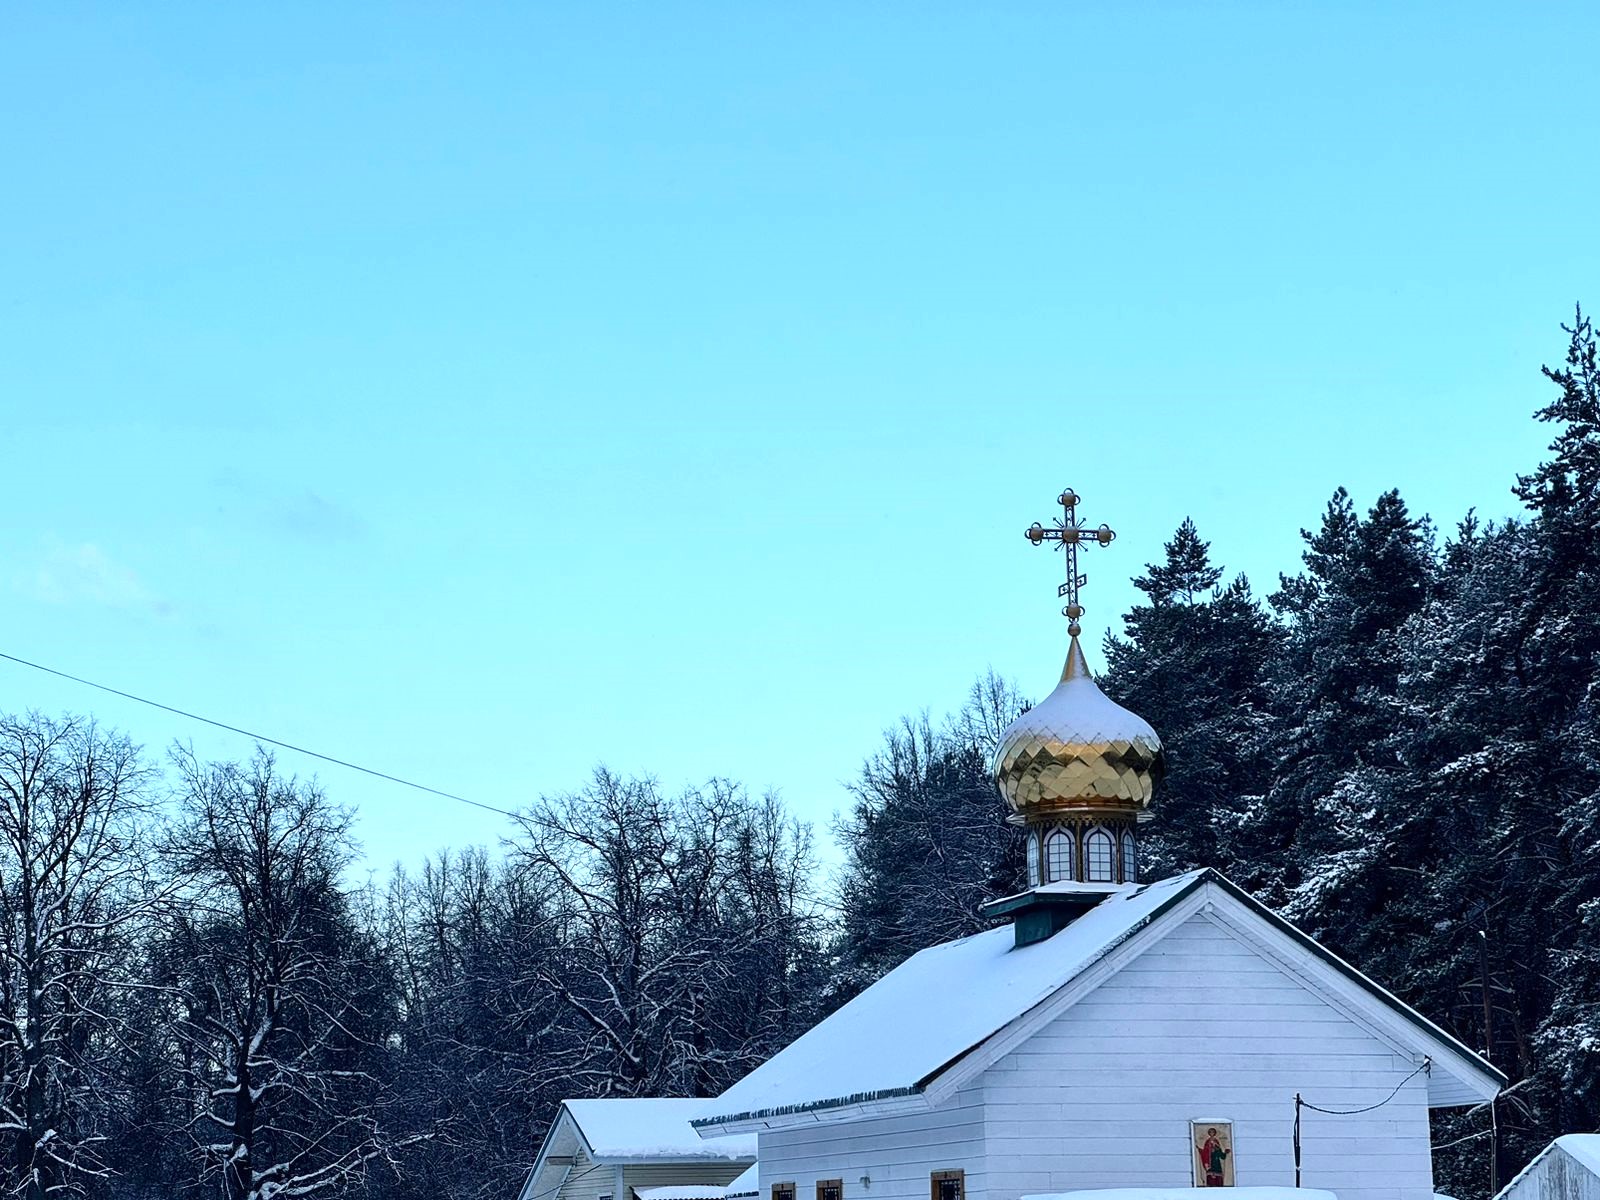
x,y
886,1102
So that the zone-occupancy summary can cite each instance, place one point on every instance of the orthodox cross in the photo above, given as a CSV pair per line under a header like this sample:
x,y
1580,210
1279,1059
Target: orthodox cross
x,y
1068,534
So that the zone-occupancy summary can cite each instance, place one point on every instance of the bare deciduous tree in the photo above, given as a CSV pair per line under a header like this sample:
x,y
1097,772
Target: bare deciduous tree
x,y
659,908
72,890
285,1008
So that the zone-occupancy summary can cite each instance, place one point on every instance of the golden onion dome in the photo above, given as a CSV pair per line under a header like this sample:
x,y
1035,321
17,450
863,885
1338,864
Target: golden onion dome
x,y
1077,750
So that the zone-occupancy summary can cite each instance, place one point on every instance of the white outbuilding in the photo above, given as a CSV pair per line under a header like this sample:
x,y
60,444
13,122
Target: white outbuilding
x,y
1567,1169
635,1149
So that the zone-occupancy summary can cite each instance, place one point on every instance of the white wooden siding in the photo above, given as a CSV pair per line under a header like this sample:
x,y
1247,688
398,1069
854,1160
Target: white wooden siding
x,y
1201,1025
898,1154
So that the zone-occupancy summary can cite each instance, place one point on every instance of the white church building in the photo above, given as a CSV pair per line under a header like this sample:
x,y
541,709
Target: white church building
x,y
1108,1034
1112,1034
1099,1056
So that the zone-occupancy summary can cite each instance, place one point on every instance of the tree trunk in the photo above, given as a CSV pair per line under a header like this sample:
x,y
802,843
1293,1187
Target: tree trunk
x,y
33,1163
239,1173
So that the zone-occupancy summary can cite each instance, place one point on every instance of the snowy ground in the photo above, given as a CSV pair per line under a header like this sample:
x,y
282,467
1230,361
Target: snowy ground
x,y
1236,1193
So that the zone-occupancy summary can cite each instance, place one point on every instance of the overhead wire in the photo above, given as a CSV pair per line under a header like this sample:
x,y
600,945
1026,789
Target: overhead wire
x,y
259,737
271,741
1426,1066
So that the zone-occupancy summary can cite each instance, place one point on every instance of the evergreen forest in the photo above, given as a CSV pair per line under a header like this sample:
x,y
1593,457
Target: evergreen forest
x,y
1396,744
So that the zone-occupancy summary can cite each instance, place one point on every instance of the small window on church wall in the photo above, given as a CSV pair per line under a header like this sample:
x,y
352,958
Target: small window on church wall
x,y
1058,856
783,1191
1130,859
1033,860
830,1189
1100,851
949,1185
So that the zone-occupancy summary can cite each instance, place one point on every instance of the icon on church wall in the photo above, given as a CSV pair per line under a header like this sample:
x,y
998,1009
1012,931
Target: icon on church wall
x,y
1211,1145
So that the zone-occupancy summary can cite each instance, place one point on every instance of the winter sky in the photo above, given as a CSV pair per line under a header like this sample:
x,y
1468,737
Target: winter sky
x,y
481,392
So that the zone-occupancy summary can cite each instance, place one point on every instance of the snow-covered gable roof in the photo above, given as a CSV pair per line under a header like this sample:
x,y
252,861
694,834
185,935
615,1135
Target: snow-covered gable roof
x,y
930,1010
886,1048
1585,1147
1582,1148
626,1129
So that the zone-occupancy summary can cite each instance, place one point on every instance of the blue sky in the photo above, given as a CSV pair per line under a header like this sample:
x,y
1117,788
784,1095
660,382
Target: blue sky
x,y
482,392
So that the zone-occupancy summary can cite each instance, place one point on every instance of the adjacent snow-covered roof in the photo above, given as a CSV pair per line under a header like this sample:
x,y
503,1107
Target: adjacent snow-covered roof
x,y
1583,1148
650,1128
933,1008
888,1045
1237,1193
683,1191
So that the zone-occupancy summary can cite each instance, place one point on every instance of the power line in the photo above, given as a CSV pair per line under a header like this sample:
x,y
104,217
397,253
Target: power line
x,y
1301,1103
1427,1065
1469,1137
260,737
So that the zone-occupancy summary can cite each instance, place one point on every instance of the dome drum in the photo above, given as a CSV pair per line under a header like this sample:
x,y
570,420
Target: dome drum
x,y
1082,850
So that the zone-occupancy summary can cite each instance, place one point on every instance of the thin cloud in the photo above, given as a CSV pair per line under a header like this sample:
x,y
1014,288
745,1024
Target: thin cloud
x,y
312,515
306,514
84,574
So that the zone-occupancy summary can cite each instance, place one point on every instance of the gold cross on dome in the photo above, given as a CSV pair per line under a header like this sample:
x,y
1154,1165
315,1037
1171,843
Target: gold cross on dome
x,y
1069,533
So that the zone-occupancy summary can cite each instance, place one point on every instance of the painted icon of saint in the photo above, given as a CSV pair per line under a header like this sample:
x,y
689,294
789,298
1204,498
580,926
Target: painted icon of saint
x,y
1213,1158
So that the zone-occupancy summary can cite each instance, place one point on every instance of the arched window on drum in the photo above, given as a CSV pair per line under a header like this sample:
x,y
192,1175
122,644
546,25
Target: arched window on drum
x,y
1033,859
1058,856
1100,853
1130,858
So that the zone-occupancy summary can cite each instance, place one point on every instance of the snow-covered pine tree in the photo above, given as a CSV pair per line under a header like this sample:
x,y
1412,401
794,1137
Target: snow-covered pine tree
x,y
1312,840
1193,661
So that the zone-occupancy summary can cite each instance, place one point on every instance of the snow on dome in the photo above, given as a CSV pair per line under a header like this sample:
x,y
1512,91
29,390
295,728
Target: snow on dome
x,y
1077,749
648,1127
